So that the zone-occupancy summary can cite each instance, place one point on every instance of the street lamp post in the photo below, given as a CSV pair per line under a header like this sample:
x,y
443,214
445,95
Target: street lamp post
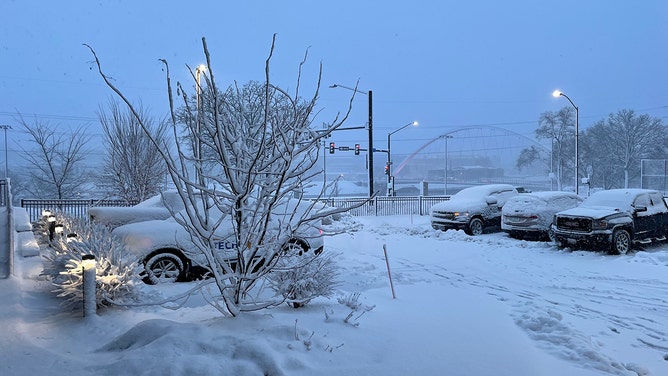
x,y
198,142
557,94
445,170
390,180
370,149
5,127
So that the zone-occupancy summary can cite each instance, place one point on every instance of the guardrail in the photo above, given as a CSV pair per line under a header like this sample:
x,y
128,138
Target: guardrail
x,y
381,205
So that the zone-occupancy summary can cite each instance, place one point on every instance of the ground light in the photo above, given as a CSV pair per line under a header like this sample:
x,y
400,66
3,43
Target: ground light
x,y
88,265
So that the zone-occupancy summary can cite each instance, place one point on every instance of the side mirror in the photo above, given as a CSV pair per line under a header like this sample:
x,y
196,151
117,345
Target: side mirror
x,y
491,200
641,208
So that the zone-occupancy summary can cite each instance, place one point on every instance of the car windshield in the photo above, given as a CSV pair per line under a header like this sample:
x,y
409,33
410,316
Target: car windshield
x,y
617,199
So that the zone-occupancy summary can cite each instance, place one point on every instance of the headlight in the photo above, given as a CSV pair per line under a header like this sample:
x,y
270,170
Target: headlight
x,y
461,214
599,224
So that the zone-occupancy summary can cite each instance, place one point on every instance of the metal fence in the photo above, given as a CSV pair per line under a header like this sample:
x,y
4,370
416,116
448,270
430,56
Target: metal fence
x,y
75,208
404,205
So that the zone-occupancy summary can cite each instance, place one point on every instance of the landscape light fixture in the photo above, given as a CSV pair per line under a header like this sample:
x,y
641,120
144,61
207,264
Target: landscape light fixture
x,y
557,94
71,237
89,267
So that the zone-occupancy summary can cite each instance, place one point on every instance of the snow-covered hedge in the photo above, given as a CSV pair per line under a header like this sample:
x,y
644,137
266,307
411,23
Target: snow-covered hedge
x,y
116,275
301,278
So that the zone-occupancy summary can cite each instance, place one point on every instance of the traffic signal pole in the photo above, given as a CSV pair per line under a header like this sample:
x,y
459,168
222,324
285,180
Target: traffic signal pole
x,y
371,150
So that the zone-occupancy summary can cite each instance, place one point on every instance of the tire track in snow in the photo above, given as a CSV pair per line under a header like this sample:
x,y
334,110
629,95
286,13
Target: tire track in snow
x,y
552,305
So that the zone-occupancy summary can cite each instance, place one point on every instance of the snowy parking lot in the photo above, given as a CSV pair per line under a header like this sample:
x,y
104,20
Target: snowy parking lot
x,y
485,305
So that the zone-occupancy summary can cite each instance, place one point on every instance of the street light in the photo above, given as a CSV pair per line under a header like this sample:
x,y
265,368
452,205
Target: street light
x,y
558,94
370,150
390,180
5,127
445,170
198,143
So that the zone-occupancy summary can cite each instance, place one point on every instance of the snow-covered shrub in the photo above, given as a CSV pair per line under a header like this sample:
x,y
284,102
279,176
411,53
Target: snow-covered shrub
x,y
116,275
352,302
301,278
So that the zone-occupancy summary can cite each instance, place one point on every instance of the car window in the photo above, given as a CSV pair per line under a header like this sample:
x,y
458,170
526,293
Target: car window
x,y
657,199
642,200
503,196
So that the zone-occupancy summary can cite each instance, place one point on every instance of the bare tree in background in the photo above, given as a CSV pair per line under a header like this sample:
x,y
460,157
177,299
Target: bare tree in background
x,y
56,167
260,162
615,147
133,166
559,128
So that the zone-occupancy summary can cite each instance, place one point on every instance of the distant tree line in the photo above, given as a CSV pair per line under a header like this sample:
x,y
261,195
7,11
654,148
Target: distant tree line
x,y
610,150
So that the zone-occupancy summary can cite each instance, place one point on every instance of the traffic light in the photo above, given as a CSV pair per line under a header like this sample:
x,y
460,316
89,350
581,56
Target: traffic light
x,y
387,169
357,149
331,148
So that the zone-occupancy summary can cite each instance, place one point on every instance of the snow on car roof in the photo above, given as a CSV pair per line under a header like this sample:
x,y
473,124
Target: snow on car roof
x,y
481,190
548,195
546,200
542,196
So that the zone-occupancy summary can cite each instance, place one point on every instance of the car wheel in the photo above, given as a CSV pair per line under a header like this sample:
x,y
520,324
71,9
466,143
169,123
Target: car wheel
x,y
475,227
163,268
621,242
550,235
294,248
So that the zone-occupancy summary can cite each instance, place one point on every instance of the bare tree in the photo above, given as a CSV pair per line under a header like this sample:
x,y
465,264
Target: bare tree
x,y
614,148
56,166
133,167
259,163
559,128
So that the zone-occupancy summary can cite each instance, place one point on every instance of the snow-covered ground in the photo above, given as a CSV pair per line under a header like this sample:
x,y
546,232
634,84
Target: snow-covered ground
x,y
486,305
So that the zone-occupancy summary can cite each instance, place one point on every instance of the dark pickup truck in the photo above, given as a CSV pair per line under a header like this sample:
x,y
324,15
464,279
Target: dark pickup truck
x,y
613,220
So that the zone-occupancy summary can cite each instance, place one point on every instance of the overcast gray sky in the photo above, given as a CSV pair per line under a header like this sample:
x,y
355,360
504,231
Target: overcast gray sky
x,y
444,63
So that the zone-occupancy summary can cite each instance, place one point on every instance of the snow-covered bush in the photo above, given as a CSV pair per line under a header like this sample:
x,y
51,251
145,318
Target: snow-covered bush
x,y
116,275
352,301
301,278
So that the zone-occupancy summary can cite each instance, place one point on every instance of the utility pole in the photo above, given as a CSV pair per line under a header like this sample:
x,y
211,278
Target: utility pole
x,y
371,149
370,126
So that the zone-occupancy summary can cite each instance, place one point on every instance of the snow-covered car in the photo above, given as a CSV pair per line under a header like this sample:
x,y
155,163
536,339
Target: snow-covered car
x,y
613,220
168,254
531,214
472,209
155,207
